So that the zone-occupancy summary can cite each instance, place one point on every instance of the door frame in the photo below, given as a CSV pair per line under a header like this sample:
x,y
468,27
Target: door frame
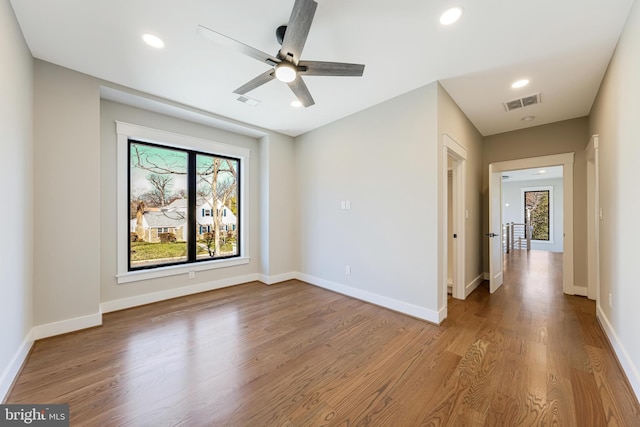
x,y
565,160
453,150
593,220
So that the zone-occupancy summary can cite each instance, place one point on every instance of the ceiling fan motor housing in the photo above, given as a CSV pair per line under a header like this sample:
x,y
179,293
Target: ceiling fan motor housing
x,y
280,33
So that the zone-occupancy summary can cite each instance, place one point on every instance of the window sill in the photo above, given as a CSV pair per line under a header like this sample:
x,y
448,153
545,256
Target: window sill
x,y
174,270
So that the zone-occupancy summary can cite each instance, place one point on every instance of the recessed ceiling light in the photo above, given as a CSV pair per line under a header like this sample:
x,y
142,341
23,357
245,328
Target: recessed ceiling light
x,y
296,104
153,41
520,83
528,118
451,15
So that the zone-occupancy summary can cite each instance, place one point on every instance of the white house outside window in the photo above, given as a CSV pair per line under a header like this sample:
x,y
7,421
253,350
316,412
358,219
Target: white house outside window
x,y
183,203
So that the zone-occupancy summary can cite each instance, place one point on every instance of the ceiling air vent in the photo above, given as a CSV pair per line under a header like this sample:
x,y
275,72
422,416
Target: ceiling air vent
x,y
247,100
523,102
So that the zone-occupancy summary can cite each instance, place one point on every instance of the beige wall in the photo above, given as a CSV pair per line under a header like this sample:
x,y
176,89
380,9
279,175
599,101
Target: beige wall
x,y
384,161
67,194
75,205
110,112
452,121
283,242
615,118
16,215
556,138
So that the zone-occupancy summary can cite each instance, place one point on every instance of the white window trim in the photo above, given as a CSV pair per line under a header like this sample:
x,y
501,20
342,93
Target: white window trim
x,y
551,211
126,131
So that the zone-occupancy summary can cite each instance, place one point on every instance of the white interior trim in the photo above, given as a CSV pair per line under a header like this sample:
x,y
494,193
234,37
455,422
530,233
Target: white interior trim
x,y
144,134
13,369
628,366
452,149
382,301
566,161
593,220
271,280
471,286
68,325
135,301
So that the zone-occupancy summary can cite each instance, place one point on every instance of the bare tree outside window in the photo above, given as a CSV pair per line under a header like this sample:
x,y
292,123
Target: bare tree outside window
x,y
217,184
157,178
161,215
536,204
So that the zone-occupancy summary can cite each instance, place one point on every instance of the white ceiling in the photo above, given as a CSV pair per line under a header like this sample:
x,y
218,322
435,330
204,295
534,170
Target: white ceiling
x,y
563,47
553,172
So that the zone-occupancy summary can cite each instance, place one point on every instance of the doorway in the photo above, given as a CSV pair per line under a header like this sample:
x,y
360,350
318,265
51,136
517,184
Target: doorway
x,y
495,215
452,214
532,201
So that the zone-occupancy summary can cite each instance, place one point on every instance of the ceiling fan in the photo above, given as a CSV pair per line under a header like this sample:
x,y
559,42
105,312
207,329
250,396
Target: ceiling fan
x,y
286,64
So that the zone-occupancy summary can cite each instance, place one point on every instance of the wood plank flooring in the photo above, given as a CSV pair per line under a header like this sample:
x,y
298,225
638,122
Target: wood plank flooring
x,y
292,354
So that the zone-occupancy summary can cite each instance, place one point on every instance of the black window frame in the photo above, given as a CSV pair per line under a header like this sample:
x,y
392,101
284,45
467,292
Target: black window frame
x,y
191,226
549,213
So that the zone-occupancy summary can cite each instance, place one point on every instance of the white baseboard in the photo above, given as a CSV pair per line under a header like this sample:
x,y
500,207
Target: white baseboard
x,y
66,326
386,302
135,301
270,280
487,276
12,370
628,366
580,291
473,285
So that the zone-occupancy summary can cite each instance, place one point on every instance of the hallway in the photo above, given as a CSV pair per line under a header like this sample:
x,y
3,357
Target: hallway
x,y
555,361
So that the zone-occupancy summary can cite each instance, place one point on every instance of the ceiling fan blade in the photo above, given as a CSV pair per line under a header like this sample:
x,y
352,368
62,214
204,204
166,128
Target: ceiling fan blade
x,y
301,92
240,47
258,81
319,68
297,30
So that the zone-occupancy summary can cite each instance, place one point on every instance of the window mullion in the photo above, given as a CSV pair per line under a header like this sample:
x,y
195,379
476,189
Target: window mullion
x,y
192,239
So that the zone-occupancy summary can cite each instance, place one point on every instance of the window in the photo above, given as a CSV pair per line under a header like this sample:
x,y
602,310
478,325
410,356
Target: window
x,y
537,212
167,186
173,191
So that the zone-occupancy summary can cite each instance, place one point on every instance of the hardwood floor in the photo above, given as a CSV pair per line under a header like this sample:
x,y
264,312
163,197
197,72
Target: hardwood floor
x,y
292,354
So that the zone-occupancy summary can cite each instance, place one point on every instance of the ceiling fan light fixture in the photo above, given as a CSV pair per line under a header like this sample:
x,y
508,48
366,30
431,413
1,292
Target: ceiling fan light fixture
x,y
286,72
451,15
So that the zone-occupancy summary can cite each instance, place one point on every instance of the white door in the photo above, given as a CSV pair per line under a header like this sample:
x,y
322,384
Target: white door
x,y
495,230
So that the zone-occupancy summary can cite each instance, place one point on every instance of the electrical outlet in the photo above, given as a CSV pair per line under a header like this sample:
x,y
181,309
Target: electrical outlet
x,y
610,301
192,274
347,270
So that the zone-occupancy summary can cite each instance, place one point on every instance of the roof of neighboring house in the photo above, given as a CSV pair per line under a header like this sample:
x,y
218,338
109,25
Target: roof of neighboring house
x,y
165,219
179,206
182,203
178,203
